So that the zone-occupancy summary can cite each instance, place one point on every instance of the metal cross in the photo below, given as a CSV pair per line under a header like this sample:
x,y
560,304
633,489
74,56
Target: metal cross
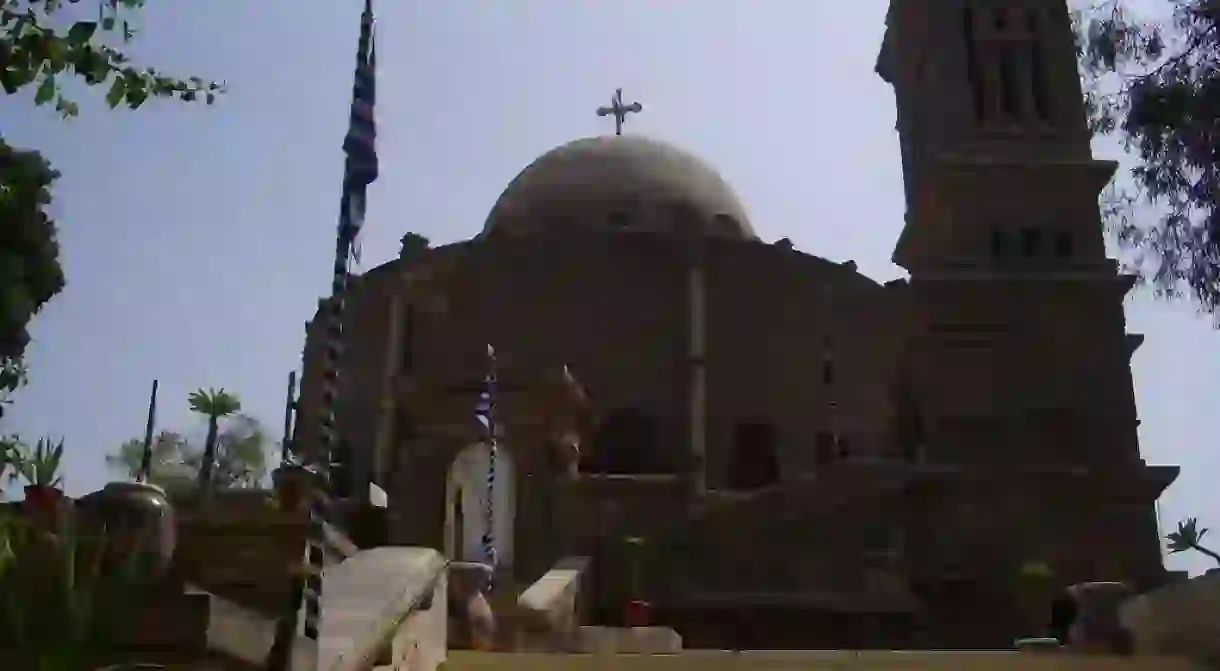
x,y
619,110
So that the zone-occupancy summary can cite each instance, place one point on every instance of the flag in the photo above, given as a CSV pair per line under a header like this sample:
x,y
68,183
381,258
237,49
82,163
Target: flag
x,y
360,144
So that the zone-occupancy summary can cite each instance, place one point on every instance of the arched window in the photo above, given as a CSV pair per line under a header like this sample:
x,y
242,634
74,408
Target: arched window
x,y
1063,244
725,224
999,244
824,449
341,469
844,447
1031,241
626,442
753,462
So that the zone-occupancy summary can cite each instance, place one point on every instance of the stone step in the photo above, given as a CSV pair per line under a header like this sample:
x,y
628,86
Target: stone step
x,y
812,660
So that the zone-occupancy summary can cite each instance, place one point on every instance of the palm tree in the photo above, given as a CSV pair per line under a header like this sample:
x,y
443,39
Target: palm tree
x,y
215,403
1188,537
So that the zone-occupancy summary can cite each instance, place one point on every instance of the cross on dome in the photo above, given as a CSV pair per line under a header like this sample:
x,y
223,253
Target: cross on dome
x,y
619,110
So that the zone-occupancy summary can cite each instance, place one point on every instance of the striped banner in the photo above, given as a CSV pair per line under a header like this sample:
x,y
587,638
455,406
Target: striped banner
x,y
486,412
360,170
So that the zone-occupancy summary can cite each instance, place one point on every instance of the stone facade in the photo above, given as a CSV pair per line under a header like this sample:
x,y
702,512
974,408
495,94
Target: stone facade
x,y
799,442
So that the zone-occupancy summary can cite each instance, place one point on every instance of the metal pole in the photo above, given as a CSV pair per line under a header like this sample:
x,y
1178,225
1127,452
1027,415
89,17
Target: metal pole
x,y
289,409
146,458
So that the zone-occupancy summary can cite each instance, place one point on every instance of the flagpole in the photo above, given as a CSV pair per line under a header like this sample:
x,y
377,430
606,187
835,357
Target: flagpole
x,y
146,455
360,171
289,408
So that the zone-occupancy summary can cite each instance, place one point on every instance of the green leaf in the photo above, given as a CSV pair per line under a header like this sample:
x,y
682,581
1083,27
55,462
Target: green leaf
x,y
100,69
137,93
117,90
16,76
57,54
81,32
46,91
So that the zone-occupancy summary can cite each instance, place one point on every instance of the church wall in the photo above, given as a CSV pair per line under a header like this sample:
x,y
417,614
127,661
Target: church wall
x,y
1027,373
768,322
1038,366
611,307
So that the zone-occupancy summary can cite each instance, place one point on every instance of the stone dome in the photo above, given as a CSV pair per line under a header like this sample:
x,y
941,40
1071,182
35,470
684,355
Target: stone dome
x,y
625,182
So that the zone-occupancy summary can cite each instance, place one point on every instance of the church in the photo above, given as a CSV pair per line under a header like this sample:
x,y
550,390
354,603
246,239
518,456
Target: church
x,y
806,457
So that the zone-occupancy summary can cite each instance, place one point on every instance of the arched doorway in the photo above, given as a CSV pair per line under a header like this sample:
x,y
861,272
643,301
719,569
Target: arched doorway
x,y
753,462
466,505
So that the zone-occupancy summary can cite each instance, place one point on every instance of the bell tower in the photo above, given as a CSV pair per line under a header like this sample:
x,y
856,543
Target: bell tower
x,y
990,107
1017,345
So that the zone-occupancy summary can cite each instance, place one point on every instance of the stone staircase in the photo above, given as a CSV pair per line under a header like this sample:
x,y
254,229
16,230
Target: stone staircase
x,y
811,660
216,612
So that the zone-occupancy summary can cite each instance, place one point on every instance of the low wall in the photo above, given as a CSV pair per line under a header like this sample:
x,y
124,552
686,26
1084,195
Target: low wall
x,y
549,609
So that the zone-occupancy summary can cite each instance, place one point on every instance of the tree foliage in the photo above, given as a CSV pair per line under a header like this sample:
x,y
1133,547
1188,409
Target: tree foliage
x,y
214,404
41,47
241,457
1155,83
30,274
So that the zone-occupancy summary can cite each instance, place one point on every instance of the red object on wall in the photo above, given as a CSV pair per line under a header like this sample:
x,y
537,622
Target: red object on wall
x,y
637,613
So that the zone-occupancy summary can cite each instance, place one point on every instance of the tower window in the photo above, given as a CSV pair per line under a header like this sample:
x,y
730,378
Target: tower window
x,y
1063,244
1037,64
1010,96
1031,241
844,448
619,220
753,462
406,359
999,244
828,371
974,70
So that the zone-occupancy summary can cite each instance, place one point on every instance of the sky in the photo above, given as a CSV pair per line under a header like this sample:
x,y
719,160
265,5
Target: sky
x,y
197,240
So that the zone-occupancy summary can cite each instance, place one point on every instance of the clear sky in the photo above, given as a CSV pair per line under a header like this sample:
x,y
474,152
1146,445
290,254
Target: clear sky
x,y
197,240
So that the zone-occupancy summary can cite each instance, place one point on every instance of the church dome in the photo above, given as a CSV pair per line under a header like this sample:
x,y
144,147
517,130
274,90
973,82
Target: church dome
x,y
618,182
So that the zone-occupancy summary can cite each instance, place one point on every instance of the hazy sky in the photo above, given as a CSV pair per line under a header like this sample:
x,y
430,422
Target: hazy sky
x,y
197,240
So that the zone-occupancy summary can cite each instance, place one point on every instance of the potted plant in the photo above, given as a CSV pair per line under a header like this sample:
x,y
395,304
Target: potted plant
x,y
1035,590
638,611
1182,618
60,609
39,467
